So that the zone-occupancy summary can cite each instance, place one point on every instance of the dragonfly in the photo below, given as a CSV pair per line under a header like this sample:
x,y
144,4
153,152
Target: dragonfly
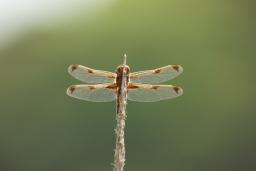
x,y
141,86
123,85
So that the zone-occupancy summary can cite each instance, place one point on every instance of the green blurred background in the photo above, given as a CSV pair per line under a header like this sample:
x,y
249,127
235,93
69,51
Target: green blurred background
x,y
210,128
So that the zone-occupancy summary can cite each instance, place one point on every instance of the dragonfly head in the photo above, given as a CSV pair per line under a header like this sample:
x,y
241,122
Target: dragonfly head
x,y
123,69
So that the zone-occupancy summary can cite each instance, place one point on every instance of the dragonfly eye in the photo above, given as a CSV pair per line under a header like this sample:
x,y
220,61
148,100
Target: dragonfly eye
x,y
119,69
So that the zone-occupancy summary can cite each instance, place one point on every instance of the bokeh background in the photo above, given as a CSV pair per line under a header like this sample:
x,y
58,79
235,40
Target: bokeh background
x,y
210,128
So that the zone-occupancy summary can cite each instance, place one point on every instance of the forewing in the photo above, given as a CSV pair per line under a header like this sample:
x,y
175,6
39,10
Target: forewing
x,y
157,75
90,75
152,93
94,93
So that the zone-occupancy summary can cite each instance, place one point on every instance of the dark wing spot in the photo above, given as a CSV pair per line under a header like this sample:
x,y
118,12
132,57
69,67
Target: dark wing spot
x,y
132,86
155,87
111,76
90,71
157,71
91,87
176,67
74,67
176,89
72,89
112,86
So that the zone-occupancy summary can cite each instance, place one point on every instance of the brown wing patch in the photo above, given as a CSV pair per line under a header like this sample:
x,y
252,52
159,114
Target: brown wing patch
x,y
91,87
132,86
176,67
90,71
74,67
111,76
157,71
155,87
72,89
176,89
112,86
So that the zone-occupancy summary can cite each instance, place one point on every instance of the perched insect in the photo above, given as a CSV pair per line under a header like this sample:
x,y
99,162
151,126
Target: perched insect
x,y
107,86
137,86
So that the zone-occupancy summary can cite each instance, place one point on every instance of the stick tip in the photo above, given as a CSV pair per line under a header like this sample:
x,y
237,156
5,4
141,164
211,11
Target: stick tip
x,y
125,56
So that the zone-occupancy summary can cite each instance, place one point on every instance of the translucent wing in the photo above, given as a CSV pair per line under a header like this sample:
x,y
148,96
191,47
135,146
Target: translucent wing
x,y
157,75
90,75
152,93
94,93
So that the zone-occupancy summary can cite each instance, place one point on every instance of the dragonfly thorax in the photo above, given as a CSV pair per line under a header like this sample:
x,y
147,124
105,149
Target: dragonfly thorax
x,y
122,73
